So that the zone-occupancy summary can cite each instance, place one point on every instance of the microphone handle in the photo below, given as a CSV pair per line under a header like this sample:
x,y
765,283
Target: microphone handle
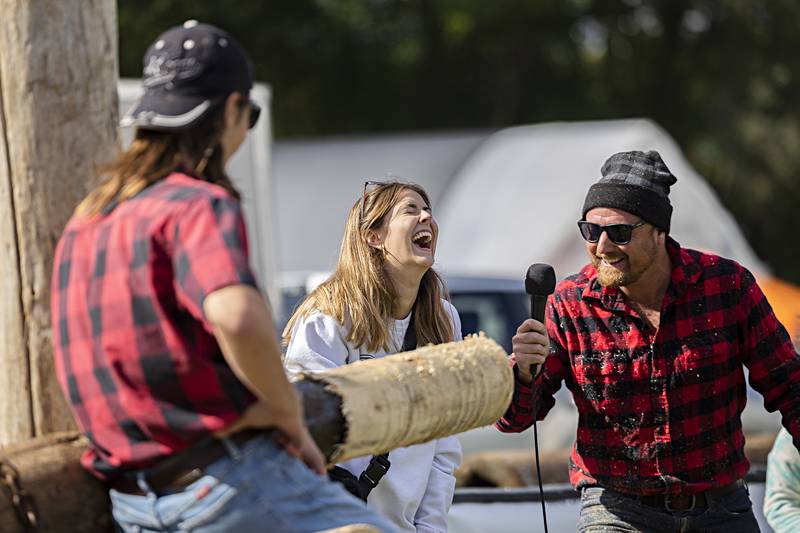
x,y
538,302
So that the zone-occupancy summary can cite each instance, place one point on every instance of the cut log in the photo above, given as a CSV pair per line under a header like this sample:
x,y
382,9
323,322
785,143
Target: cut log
x,y
512,468
365,408
65,497
517,468
418,396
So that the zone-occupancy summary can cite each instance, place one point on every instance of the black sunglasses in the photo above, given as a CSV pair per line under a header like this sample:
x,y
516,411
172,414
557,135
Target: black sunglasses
x,y
618,233
255,112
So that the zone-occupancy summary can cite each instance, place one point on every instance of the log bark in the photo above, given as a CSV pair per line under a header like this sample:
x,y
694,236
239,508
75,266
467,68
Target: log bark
x,y
58,120
65,496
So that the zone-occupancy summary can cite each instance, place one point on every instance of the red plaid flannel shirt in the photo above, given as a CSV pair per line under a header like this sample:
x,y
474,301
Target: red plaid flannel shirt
x,y
134,353
659,411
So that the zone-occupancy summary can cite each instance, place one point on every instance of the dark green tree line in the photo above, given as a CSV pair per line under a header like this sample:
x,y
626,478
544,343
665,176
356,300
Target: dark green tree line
x,y
721,76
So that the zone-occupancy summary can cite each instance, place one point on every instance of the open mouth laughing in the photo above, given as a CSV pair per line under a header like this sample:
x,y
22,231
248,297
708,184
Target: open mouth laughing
x,y
423,239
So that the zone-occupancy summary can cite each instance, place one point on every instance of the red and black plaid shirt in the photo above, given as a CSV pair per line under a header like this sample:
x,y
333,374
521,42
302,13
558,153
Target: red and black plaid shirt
x,y
134,353
659,411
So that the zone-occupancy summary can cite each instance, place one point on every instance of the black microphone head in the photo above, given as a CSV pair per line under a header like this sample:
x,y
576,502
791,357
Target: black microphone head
x,y
540,280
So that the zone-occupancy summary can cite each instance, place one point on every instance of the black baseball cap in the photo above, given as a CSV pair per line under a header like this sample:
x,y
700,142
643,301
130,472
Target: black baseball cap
x,y
188,70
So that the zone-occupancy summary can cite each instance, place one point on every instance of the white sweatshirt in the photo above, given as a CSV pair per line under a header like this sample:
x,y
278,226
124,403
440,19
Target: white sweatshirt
x,y
417,491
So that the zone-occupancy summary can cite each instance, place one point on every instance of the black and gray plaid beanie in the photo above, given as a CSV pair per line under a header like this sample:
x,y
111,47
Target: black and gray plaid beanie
x,y
636,182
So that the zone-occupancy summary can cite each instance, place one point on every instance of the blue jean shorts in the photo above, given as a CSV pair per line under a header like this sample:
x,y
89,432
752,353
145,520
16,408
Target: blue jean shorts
x,y
255,487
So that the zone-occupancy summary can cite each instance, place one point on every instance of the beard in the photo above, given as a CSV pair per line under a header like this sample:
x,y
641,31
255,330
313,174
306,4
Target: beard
x,y
611,277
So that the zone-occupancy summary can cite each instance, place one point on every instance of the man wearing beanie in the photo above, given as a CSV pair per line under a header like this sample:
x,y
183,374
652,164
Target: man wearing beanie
x,y
651,339
164,346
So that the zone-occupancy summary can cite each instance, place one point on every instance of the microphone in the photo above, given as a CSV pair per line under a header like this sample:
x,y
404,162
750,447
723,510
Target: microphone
x,y
540,282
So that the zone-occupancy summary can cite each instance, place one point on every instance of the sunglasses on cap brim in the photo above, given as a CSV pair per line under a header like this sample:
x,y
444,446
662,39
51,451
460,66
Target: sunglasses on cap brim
x,y
617,233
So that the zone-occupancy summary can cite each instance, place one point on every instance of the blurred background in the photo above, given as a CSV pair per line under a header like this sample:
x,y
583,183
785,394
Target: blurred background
x,y
721,77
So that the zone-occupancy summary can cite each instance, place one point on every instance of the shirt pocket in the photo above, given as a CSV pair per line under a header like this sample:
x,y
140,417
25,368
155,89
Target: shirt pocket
x,y
704,366
694,357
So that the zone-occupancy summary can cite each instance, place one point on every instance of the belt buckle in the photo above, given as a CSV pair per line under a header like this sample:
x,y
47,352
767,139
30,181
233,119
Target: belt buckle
x,y
187,478
668,498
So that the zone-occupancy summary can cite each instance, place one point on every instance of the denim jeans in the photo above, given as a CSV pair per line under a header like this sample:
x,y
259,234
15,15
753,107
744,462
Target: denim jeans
x,y
609,511
256,487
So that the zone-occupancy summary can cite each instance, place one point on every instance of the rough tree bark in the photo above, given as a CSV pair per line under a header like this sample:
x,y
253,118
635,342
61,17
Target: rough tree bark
x,y
58,117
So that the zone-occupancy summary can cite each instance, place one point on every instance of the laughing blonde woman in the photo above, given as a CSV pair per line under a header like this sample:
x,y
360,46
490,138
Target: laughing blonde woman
x,y
383,298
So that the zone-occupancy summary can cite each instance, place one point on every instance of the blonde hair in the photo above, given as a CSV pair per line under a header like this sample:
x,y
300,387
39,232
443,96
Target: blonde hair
x,y
154,155
361,294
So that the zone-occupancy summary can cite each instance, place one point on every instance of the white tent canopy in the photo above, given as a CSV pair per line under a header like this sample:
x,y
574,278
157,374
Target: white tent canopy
x,y
502,200
516,199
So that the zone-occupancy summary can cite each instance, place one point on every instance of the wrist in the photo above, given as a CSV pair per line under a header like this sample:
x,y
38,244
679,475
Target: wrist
x,y
522,377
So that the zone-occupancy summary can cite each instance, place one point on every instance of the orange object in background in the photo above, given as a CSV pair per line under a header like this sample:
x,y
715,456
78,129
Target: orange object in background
x,y
784,297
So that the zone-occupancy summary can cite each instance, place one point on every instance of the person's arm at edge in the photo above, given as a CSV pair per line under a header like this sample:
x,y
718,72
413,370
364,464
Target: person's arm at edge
x,y
782,494
243,326
768,353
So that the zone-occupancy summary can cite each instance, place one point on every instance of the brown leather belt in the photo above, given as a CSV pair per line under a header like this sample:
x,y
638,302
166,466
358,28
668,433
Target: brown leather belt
x,y
688,502
178,471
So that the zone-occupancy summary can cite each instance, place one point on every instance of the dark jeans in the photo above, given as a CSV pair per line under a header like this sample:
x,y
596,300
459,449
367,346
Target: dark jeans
x,y
609,511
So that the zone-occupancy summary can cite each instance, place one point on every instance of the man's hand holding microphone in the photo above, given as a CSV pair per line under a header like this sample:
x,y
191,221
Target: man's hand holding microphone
x,y
531,343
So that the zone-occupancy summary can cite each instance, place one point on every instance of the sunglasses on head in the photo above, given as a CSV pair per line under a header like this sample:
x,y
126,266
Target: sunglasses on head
x,y
617,233
369,186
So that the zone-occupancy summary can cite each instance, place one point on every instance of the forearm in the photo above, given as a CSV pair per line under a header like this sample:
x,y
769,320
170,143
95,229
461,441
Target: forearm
x,y
528,403
246,334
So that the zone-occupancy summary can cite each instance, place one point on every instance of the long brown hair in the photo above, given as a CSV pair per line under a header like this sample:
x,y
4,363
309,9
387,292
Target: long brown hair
x,y
154,155
360,293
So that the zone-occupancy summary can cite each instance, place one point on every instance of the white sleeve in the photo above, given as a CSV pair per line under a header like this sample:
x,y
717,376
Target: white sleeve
x,y
455,319
318,343
432,512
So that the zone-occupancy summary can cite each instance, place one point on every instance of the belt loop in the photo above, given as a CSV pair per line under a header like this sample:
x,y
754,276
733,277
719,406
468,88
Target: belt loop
x,y
233,450
668,498
152,497
144,486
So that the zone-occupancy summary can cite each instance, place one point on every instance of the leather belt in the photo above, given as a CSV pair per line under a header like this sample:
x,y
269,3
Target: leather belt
x,y
178,471
688,502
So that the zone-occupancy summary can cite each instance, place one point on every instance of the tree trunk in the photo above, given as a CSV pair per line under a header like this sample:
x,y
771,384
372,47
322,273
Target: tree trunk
x,y
58,120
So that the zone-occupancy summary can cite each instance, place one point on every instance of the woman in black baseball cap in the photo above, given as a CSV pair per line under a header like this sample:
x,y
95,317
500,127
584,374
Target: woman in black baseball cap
x,y
164,346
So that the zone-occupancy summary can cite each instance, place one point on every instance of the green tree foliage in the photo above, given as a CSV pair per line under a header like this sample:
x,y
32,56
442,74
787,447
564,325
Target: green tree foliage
x,y
722,76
